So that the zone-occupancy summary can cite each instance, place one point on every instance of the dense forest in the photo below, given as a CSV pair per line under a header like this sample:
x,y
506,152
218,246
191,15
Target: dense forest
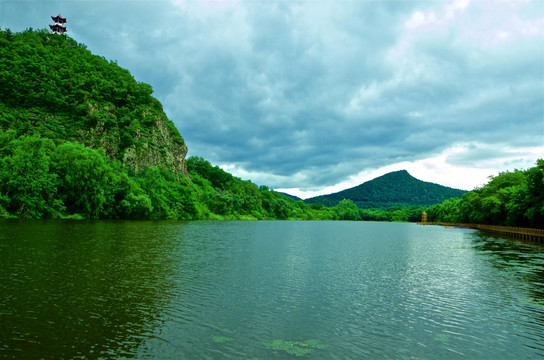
x,y
81,138
511,199
53,86
40,179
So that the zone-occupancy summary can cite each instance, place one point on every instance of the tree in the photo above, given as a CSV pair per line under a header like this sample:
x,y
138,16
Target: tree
x,y
85,179
535,195
26,182
511,198
347,210
171,198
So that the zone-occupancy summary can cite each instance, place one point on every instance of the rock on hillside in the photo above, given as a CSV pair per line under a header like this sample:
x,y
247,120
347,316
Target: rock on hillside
x,y
54,86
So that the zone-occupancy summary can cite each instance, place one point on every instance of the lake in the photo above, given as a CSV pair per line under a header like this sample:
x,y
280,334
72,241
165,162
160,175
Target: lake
x,y
266,290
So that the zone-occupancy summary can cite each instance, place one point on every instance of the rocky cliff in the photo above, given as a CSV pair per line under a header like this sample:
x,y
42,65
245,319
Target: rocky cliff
x,y
54,86
138,147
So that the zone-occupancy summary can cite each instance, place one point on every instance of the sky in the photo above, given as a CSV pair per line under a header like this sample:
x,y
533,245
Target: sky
x,y
312,97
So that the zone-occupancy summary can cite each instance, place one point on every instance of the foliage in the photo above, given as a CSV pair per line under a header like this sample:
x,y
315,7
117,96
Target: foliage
x,y
85,179
27,186
170,197
221,194
347,210
510,198
395,189
3,213
54,86
41,179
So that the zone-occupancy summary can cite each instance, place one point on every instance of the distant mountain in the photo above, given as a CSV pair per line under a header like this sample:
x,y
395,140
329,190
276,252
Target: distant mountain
x,y
296,198
397,188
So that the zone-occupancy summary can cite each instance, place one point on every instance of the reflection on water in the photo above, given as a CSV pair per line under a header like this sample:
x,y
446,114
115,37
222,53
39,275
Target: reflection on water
x,y
81,289
266,290
520,266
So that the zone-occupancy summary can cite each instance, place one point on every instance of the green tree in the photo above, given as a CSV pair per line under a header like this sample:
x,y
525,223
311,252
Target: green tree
x,y
171,198
26,182
535,195
347,210
511,198
126,200
85,179
219,178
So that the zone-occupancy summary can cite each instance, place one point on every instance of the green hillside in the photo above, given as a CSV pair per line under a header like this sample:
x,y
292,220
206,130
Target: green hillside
x,y
53,86
81,138
395,189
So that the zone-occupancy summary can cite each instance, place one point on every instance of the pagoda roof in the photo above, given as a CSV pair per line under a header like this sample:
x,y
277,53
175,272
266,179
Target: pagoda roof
x,y
58,19
58,28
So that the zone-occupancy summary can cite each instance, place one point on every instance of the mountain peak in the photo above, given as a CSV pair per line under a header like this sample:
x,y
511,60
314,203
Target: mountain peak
x,y
397,188
398,173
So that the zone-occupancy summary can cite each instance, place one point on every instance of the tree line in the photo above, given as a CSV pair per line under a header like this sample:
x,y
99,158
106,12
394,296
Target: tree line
x,y
392,190
513,198
40,179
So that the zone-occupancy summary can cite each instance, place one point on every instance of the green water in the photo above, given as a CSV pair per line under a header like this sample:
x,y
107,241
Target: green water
x,y
266,290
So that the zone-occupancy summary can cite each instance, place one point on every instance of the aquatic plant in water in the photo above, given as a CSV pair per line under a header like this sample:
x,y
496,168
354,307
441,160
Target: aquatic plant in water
x,y
221,339
295,347
442,337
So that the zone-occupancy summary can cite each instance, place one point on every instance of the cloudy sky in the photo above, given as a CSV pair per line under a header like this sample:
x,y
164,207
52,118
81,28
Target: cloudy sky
x,y
312,97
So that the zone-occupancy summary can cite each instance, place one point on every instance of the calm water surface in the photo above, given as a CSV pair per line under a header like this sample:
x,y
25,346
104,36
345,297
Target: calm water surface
x,y
266,290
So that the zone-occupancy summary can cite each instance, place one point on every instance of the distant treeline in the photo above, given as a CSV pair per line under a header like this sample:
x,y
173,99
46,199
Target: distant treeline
x,y
509,199
39,179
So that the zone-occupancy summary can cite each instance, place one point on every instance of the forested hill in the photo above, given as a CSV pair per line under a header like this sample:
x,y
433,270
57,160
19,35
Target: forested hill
x,y
81,138
397,188
53,86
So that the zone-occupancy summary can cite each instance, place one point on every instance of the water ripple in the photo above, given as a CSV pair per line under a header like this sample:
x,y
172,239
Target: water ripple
x,y
209,290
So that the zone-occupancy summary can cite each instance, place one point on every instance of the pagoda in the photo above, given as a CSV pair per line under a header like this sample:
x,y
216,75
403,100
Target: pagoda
x,y
59,27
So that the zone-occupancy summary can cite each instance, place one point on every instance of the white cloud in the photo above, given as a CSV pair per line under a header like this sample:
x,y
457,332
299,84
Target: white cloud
x,y
419,19
456,6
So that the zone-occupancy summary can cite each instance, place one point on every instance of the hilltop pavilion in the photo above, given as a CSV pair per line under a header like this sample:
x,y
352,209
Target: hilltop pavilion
x,y
58,27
